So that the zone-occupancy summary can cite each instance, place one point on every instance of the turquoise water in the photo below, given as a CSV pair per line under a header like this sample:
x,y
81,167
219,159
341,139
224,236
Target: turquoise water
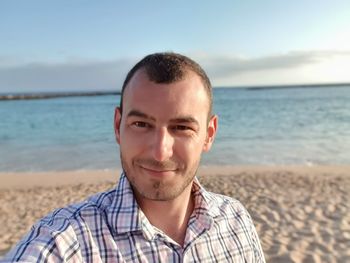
x,y
260,127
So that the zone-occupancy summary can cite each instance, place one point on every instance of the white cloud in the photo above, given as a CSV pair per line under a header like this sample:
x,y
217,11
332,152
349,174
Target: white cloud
x,y
78,74
286,68
92,75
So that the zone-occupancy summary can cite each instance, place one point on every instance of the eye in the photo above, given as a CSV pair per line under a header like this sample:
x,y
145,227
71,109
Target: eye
x,y
140,124
182,127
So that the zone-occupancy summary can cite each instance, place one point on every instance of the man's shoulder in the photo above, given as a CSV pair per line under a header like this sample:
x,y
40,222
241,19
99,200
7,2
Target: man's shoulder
x,y
226,205
235,224
58,234
70,218
96,204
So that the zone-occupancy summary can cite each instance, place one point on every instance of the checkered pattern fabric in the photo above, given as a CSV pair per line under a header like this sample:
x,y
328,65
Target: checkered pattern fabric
x,y
110,227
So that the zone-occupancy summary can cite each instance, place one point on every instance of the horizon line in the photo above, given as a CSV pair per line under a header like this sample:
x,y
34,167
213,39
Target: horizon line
x,y
59,94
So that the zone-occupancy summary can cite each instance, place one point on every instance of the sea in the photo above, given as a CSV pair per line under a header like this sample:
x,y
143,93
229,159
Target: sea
x,y
266,126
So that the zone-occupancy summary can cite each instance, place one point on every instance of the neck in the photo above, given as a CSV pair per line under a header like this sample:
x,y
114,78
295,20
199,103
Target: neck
x,y
170,216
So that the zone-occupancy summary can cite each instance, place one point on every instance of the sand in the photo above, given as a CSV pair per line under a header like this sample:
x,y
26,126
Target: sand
x,y
302,214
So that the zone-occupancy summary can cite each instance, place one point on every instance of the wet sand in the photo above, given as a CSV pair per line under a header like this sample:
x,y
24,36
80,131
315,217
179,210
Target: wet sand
x,y
302,214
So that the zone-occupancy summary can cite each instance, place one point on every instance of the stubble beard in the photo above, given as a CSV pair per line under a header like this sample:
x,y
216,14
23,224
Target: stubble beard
x,y
158,190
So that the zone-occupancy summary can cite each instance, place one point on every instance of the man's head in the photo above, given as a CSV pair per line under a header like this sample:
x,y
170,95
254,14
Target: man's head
x,y
162,126
169,68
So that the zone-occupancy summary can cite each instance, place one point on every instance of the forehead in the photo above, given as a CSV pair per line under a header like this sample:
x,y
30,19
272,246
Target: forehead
x,y
181,97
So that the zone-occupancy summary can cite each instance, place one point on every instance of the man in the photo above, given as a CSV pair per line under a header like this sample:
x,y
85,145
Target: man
x,y
158,212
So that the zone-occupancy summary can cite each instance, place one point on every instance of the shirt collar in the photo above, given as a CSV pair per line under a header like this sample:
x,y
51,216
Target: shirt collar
x,y
205,204
125,215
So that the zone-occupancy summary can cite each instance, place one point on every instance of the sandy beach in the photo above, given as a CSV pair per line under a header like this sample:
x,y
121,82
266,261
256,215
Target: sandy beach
x,y
302,214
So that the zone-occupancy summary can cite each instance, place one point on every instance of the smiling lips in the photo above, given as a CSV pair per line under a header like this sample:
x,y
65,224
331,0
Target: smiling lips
x,y
155,167
157,172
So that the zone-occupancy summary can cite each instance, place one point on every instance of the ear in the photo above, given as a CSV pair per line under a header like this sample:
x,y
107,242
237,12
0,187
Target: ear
x,y
117,120
211,132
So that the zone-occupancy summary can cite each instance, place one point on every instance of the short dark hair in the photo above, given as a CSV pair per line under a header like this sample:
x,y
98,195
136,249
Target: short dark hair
x,y
169,67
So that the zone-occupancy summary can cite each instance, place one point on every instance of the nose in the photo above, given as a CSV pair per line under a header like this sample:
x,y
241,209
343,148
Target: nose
x,y
162,145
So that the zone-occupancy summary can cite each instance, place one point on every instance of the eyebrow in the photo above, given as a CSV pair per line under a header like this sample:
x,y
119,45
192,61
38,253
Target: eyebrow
x,y
185,119
137,113
180,119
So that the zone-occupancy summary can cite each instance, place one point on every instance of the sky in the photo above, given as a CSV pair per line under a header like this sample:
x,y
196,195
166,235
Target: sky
x,y
90,45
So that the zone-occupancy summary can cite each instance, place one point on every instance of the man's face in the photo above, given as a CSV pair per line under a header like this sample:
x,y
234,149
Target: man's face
x,y
162,133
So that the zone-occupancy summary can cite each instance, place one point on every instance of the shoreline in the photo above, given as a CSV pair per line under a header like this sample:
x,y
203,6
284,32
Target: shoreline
x,y
53,95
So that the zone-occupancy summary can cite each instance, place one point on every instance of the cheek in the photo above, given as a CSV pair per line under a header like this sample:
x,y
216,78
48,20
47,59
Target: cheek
x,y
189,149
132,143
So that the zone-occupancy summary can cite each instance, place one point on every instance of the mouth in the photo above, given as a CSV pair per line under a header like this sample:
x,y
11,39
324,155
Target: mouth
x,y
157,171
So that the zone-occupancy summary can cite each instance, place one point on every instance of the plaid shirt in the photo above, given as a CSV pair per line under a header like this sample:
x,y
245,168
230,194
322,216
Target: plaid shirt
x,y
110,227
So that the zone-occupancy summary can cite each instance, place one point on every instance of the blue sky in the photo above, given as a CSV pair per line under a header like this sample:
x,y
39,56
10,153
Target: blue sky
x,y
90,45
